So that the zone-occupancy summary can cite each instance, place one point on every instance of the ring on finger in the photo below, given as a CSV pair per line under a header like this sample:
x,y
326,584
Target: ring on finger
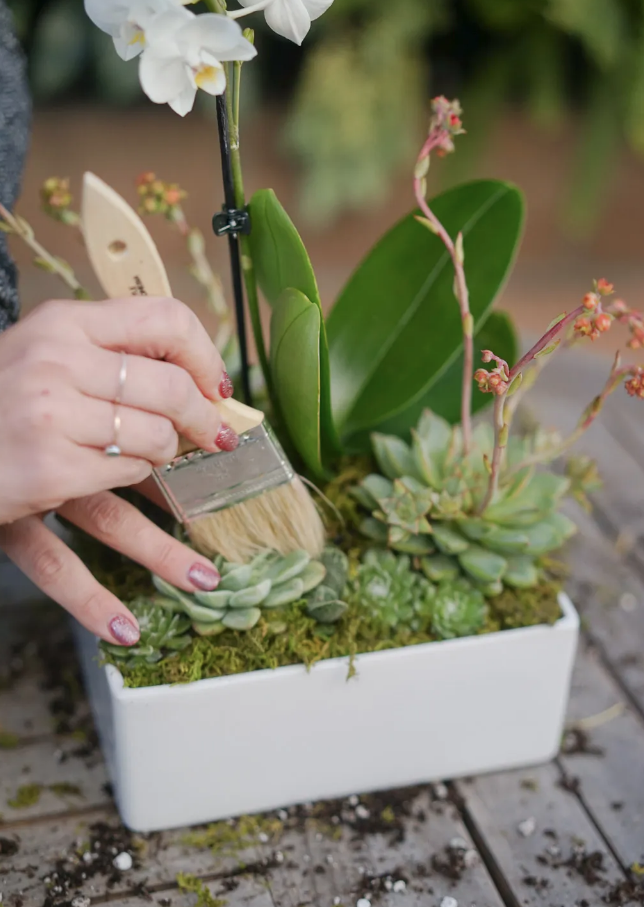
x,y
122,379
113,449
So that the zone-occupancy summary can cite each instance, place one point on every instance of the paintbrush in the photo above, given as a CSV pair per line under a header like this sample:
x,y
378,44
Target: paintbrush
x,y
231,503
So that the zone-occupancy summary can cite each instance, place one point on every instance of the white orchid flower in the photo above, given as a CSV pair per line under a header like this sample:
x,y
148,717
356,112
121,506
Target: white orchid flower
x,y
185,52
289,18
127,20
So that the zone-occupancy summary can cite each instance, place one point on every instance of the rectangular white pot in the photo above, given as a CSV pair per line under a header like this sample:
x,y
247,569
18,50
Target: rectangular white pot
x,y
181,755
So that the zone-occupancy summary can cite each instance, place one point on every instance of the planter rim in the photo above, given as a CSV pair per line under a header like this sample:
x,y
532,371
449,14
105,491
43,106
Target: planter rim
x,y
116,683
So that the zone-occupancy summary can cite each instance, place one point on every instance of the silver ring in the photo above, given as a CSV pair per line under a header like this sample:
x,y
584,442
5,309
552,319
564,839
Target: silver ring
x,y
122,379
113,449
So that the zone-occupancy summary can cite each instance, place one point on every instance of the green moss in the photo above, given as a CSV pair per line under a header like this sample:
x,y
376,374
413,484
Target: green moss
x,y
524,608
305,642
26,795
65,789
8,741
192,884
231,837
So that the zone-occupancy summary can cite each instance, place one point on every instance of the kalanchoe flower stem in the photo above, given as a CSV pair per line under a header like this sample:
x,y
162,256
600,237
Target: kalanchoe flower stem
x,y
501,432
548,338
462,295
501,424
44,259
615,379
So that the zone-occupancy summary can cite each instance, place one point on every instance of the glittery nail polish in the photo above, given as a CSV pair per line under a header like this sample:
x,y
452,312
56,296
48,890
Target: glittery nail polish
x,y
204,577
227,439
124,631
226,386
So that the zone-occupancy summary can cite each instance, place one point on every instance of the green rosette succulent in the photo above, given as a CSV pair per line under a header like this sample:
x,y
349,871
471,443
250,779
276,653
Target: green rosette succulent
x,y
246,591
162,633
389,589
459,610
426,501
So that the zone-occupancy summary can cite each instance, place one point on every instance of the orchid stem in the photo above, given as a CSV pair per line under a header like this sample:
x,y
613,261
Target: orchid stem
x,y
225,143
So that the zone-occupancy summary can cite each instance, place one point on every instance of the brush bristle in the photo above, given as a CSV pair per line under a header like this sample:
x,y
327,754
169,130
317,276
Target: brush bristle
x,y
283,519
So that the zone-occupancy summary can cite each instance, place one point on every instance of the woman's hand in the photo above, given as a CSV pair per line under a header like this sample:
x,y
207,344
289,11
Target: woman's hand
x,y
59,375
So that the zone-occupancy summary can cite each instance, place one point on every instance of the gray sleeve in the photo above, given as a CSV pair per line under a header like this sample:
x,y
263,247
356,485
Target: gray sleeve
x,y
15,115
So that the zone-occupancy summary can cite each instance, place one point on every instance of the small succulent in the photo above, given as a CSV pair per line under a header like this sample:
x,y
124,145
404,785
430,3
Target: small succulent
x,y
270,581
426,498
387,587
459,609
162,633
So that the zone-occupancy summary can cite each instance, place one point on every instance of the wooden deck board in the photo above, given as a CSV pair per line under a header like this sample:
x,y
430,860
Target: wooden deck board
x,y
320,869
533,831
610,782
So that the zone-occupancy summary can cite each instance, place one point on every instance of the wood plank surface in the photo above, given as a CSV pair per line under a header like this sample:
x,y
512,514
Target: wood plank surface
x,y
607,760
540,838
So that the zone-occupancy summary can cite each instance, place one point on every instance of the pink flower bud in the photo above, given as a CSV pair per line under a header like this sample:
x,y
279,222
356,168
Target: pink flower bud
x,y
635,386
603,322
590,301
487,355
604,287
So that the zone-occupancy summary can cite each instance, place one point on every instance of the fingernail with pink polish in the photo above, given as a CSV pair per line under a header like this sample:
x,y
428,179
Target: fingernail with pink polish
x,y
204,577
227,439
226,386
124,631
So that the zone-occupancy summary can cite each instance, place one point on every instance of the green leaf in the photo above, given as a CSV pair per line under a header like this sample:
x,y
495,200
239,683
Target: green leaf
x,y
295,367
393,457
522,572
444,397
448,540
483,565
282,262
279,255
440,567
396,327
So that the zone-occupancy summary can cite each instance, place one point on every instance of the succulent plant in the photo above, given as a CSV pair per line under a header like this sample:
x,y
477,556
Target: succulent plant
x,y
270,581
390,590
162,633
425,502
459,609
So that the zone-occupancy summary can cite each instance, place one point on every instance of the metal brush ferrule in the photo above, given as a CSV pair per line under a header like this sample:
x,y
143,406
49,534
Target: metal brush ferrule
x,y
201,482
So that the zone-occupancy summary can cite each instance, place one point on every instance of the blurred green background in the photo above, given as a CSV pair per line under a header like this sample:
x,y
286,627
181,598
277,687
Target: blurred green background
x,y
356,93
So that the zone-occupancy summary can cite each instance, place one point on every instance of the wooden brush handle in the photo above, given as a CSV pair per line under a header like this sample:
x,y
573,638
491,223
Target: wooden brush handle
x,y
126,262
240,417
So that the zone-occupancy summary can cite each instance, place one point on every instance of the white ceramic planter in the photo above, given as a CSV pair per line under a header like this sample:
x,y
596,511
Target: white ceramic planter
x,y
181,755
